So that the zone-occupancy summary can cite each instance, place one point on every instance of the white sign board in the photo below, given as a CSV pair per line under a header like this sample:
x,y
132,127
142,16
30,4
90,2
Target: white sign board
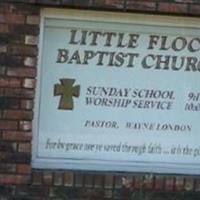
x,y
118,92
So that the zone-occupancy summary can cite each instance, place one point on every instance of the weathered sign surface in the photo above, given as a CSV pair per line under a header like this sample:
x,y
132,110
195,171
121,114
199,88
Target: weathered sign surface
x,y
118,93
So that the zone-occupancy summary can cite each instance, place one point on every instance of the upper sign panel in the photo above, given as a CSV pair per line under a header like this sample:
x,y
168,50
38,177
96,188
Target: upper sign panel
x,y
118,92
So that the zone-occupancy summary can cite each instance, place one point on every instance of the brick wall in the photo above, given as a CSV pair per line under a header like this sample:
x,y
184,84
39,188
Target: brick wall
x,y
19,29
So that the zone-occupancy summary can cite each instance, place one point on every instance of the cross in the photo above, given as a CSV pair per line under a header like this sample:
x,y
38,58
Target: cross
x,y
67,91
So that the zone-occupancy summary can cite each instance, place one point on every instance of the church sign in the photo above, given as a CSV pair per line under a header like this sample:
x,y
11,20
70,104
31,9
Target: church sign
x,y
118,92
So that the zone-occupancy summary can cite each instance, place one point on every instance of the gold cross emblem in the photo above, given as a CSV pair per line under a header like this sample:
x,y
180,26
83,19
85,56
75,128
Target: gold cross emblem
x,y
67,91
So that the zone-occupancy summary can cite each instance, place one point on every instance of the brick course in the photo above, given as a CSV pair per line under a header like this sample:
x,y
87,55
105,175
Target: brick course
x,y
19,30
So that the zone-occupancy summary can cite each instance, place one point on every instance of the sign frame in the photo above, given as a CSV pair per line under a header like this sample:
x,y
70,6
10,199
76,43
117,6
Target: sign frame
x,y
110,17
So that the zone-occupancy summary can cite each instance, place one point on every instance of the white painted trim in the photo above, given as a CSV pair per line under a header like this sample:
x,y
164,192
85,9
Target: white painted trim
x,y
129,18
37,93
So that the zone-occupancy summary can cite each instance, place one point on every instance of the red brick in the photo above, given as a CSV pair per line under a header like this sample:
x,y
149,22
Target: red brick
x,y
194,10
8,125
48,178
79,177
197,185
4,28
172,8
27,104
12,18
169,183
109,181
37,178
24,147
3,48
159,182
12,38
4,8
9,82
26,9
15,157
7,168
24,29
17,114
141,5
89,180
14,179
8,102
69,179
2,92
2,70
9,60
18,93
109,194
98,182
58,178
33,19
16,136
23,168
79,3
6,146
186,1
21,72
179,183
22,50
148,182
109,4
48,2
138,182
